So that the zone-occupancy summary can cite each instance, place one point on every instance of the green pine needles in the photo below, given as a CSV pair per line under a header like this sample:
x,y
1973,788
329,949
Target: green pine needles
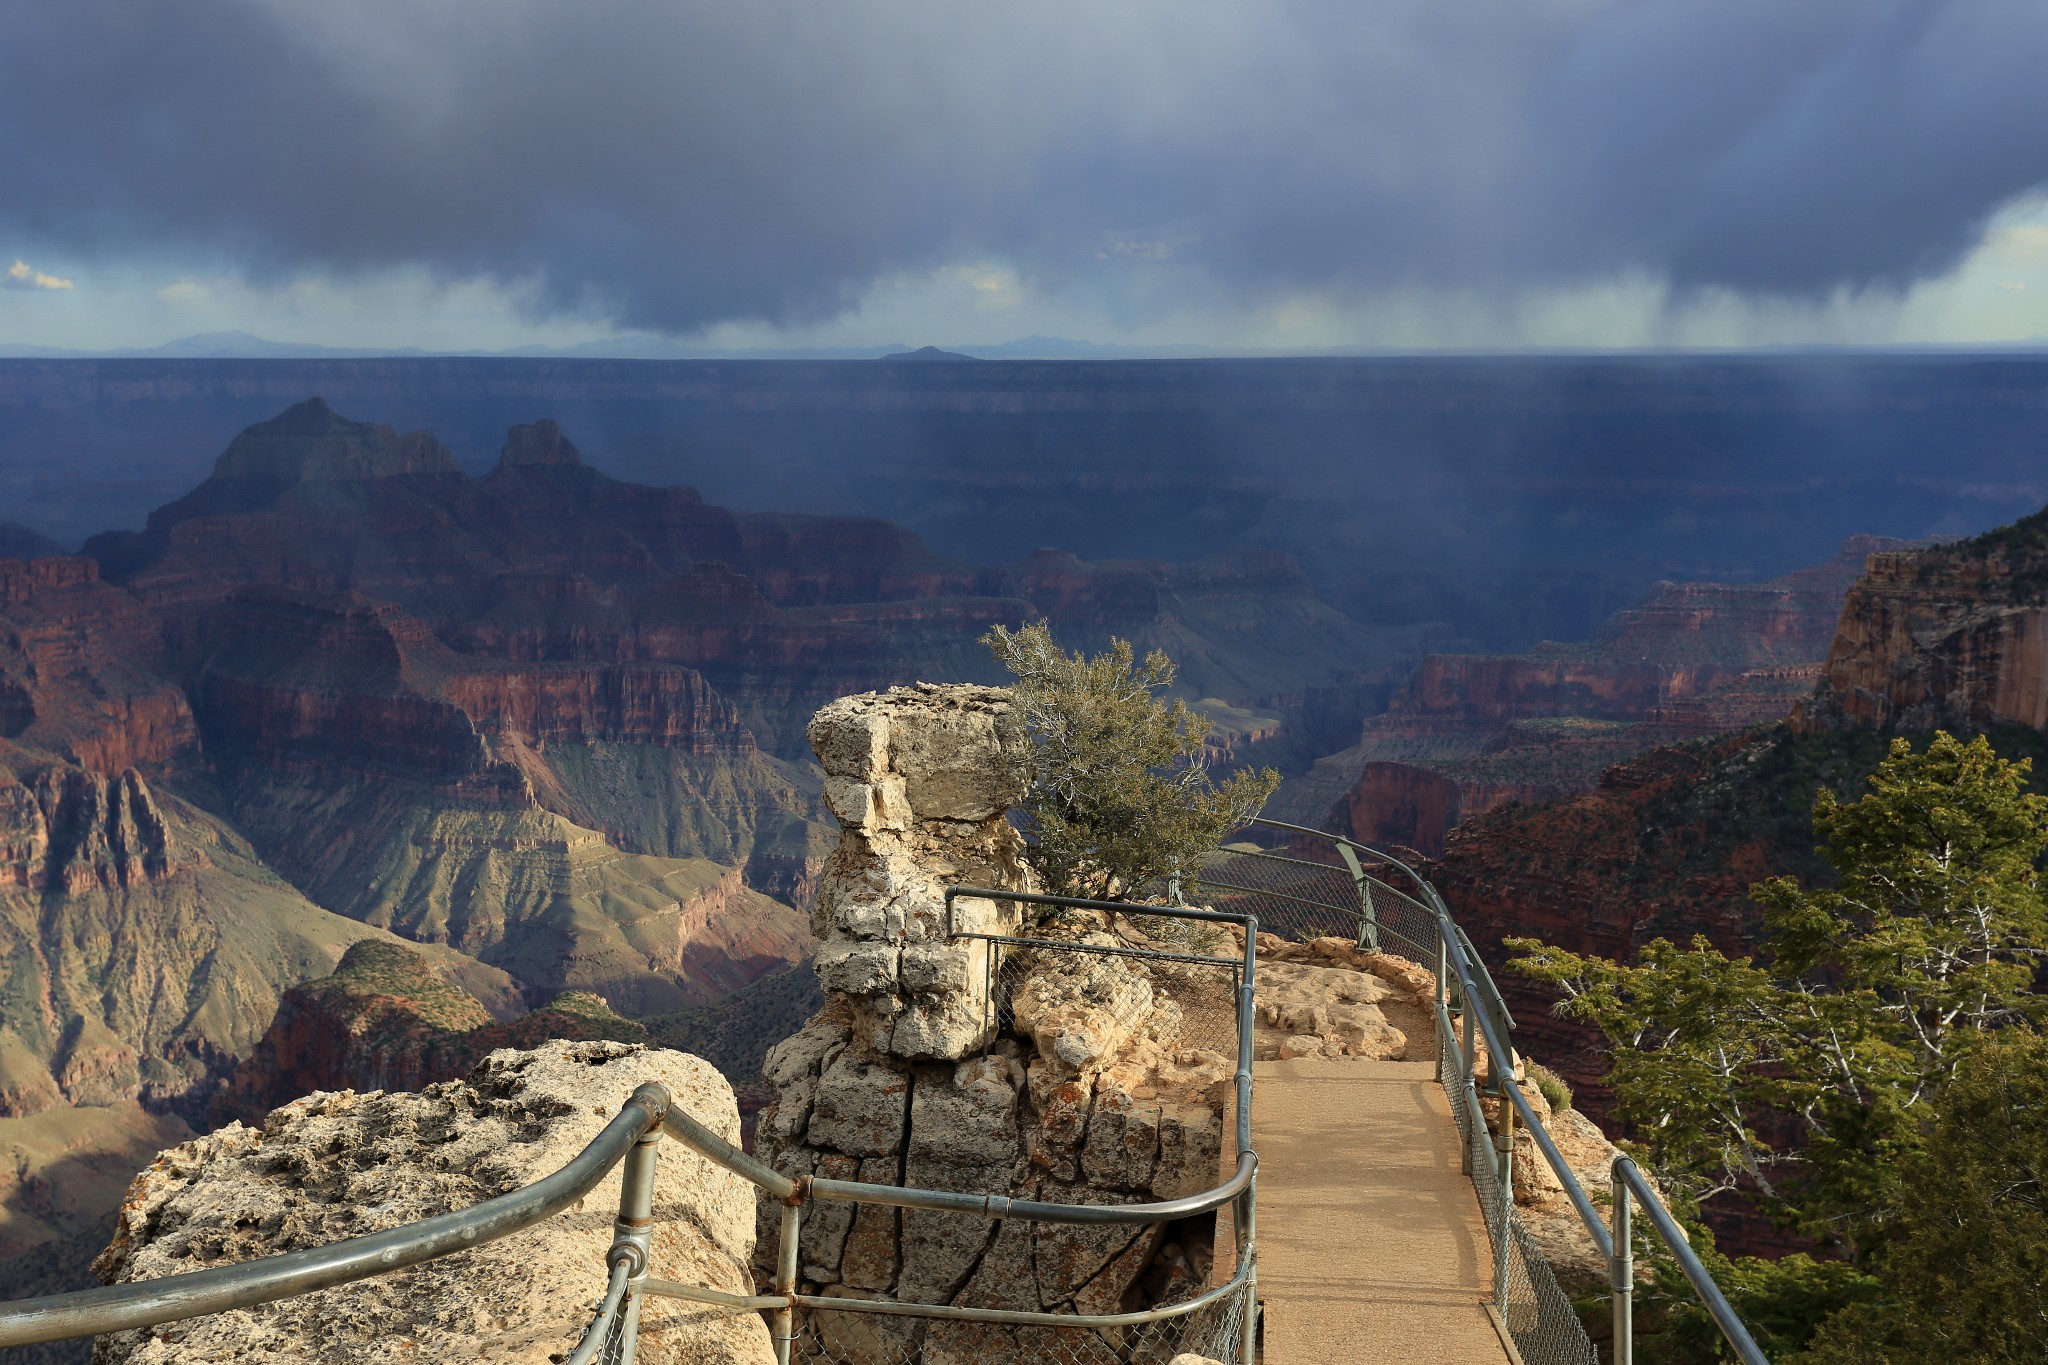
x,y
1121,798
1826,1075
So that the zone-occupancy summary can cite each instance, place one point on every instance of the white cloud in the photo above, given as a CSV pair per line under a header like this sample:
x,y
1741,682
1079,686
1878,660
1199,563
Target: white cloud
x,y
21,275
183,291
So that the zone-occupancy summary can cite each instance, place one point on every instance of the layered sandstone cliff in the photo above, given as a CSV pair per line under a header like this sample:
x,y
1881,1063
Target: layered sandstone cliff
x,y
80,670
1952,637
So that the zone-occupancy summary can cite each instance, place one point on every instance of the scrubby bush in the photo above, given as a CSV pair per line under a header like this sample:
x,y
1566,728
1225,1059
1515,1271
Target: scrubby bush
x,y
1550,1085
1120,798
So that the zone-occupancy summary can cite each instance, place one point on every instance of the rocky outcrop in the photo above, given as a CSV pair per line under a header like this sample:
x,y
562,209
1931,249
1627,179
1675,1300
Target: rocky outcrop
x,y
1078,1090
921,781
538,443
80,670
333,1166
68,830
388,1018
1325,998
1954,637
310,440
382,1021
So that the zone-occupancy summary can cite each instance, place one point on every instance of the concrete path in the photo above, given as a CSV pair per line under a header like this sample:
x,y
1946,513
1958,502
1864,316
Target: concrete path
x,y
1371,1246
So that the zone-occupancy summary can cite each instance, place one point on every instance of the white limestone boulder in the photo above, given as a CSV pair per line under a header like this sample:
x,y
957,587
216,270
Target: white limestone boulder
x,y
334,1166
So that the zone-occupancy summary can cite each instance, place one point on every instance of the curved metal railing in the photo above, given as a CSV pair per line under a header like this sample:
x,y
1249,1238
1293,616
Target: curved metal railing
x,y
1468,1010
632,1137
147,1303
1469,1003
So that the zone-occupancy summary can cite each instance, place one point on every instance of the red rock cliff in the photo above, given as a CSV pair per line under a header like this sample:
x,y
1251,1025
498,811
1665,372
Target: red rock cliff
x,y
78,669
1954,636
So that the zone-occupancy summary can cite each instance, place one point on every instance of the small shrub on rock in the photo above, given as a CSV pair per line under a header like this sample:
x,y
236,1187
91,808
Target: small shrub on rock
x,y
1119,793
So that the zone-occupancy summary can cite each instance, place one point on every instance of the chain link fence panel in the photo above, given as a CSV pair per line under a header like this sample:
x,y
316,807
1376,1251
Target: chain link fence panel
x,y
1538,1313
1214,1331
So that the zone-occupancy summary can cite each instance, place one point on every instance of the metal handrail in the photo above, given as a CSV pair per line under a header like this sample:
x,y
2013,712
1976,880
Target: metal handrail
x,y
1485,1010
795,1193
642,1121
1039,1211
1629,1180
607,1313
147,1303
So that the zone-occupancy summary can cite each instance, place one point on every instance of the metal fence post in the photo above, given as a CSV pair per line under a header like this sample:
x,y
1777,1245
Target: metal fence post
x,y
1368,914
783,1332
1477,1123
1248,1222
633,1235
1504,1145
1445,983
1621,1275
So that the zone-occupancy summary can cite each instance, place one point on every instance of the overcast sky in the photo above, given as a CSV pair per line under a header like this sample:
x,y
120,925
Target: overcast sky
x,y
1274,173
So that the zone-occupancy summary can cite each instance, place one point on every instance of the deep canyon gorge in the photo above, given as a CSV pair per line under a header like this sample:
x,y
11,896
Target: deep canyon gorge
x,y
369,752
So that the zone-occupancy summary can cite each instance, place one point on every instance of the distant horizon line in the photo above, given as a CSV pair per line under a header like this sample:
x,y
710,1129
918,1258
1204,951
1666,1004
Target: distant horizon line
x,y
238,345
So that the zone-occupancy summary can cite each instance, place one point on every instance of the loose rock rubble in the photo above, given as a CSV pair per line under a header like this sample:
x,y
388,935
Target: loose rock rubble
x,y
1327,998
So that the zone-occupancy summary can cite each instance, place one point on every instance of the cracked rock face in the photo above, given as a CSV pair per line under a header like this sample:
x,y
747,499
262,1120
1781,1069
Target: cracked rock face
x,y
1079,1091
921,779
338,1165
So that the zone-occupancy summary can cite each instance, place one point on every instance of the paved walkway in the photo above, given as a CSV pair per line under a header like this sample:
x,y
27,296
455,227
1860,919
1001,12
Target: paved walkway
x,y
1371,1246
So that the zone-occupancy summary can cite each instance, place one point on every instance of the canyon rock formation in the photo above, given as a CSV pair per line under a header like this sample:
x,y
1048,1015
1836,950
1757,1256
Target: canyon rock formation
x,y
387,1020
545,725
338,1165
1471,733
1954,637
1079,1090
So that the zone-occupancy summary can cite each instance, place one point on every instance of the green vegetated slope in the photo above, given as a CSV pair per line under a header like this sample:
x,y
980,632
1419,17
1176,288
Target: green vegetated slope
x,y
142,983
684,805
556,905
385,1019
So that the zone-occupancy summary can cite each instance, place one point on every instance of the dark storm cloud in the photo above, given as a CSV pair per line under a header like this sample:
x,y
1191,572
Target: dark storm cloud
x,y
678,164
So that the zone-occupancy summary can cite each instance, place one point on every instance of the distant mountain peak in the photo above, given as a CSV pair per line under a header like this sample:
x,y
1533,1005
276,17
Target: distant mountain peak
x,y
538,443
309,440
927,353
